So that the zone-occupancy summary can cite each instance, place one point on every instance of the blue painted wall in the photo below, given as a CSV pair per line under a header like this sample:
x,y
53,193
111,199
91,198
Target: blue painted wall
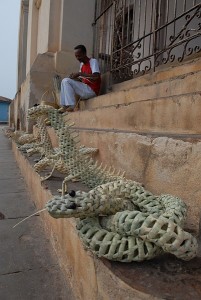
x,y
4,108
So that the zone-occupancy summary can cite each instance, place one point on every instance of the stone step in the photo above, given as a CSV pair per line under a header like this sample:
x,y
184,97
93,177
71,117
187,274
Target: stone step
x,y
167,101
163,73
165,164
136,90
191,138
101,277
176,114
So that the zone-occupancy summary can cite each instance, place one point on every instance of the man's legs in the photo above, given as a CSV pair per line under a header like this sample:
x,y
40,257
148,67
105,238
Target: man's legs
x,y
70,87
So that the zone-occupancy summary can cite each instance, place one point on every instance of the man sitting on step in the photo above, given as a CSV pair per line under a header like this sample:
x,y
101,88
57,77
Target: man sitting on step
x,y
85,83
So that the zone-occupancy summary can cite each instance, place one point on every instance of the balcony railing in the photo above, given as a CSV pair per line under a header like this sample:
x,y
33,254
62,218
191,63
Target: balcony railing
x,y
133,37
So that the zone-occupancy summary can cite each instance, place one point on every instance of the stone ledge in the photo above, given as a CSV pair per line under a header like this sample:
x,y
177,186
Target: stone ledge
x,y
162,74
164,164
176,115
162,278
90,278
183,85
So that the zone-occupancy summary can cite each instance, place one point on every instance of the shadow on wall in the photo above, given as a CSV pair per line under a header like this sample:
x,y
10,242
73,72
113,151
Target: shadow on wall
x,y
106,83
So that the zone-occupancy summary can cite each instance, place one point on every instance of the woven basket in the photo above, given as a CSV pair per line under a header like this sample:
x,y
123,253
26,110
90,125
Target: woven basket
x,y
50,103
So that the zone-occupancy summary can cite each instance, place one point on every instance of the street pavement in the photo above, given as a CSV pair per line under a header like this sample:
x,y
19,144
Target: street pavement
x,y
28,265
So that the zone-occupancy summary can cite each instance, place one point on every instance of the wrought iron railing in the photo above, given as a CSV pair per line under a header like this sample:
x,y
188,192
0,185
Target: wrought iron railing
x,y
133,37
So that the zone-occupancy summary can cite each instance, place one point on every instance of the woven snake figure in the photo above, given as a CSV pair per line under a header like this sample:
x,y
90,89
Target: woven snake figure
x,y
44,146
119,220
122,221
53,157
79,166
39,144
20,137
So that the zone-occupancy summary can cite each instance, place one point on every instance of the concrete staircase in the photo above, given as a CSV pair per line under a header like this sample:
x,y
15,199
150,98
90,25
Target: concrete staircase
x,y
133,128
149,127
165,103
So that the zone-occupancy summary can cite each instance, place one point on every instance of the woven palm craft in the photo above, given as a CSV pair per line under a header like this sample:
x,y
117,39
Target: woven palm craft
x,y
118,218
51,157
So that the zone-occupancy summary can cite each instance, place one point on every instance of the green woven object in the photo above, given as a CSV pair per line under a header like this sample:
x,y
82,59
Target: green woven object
x,y
122,221
118,218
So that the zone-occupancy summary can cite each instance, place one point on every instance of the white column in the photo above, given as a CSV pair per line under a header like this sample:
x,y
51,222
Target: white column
x,y
22,44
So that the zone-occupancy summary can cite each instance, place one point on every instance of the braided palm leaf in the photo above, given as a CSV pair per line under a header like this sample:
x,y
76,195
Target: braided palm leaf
x,y
122,221
80,166
41,143
119,220
52,157
20,137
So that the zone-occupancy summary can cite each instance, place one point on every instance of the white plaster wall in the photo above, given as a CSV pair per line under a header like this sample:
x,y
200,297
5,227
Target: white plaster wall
x,y
58,26
43,27
55,25
32,35
22,42
77,19
76,28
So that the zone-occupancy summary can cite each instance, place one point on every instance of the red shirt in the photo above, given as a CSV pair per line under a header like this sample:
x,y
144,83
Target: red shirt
x,y
89,68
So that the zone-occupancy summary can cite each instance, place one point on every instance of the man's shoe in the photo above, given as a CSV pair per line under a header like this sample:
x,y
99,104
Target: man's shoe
x,y
64,109
70,109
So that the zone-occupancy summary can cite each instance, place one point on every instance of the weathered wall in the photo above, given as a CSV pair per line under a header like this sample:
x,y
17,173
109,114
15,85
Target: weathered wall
x,y
11,115
38,81
150,128
90,278
57,27
22,43
16,104
76,28
166,102
156,141
132,126
32,34
164,165
49,31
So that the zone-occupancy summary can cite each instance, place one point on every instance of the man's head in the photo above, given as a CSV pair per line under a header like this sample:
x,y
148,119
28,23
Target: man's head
x,y
81,53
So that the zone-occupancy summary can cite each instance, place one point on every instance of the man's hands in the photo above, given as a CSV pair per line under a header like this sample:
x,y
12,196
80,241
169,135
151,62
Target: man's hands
x,y
80,75
74,75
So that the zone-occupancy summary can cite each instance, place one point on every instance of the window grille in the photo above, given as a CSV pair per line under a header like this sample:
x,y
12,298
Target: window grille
x,y
133,37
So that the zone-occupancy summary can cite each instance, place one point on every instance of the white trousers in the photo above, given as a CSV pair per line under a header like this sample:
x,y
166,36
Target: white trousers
x,y
70,88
